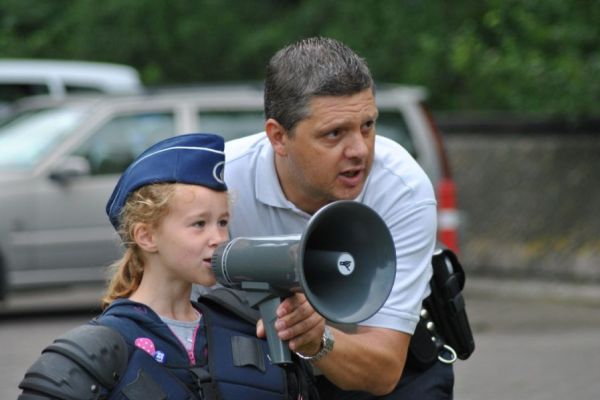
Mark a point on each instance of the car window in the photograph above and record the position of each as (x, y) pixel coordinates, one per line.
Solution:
(82, 89)
(14, 91)
(26, 138)
(236, 124)
(117, 143)
(391, 124)
(231, 124)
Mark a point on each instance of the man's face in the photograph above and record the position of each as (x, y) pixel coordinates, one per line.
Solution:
(329, 154)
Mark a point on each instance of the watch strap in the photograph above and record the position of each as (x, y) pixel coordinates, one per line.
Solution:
(327, 342)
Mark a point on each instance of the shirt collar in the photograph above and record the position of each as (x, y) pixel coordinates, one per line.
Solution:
(268, 189)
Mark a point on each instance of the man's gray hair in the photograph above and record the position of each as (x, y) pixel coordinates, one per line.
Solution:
(311, 67)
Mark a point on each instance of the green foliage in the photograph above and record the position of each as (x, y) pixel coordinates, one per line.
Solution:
(538, 56)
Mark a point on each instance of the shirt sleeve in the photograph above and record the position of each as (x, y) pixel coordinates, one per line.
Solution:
(414, 233)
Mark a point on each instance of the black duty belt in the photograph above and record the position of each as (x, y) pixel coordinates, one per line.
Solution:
(443, 332)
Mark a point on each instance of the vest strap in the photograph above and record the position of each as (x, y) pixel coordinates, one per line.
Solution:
(247, 351)
(205, 384)
(144, 388)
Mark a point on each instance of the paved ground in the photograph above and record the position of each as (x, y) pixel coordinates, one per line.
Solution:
(534, 341)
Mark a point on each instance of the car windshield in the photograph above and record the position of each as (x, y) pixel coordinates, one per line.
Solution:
(27, 137)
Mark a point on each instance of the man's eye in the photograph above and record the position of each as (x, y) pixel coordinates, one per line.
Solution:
(368, 127)
(333, 134)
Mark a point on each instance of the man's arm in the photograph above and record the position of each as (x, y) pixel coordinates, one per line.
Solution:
(371, 359)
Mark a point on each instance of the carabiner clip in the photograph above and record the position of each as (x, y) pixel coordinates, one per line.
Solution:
(453, 356)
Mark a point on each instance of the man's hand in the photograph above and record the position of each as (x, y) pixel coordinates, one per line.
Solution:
(298, 323)
(370, 360)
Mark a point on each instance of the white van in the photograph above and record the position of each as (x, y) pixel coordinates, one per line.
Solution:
(28, 77)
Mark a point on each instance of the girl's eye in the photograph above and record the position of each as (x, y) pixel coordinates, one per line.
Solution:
(200, 224)
(223, 223)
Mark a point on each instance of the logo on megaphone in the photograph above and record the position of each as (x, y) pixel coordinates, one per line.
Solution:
(344, 262)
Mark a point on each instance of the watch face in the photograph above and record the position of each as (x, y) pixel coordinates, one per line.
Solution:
(328, 339)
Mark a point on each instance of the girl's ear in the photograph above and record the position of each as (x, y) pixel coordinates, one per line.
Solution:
(143, 235)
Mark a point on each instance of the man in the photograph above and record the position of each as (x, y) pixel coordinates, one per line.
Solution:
(320, 146)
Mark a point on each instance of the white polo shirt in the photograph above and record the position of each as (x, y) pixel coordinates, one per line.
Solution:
(397, 189)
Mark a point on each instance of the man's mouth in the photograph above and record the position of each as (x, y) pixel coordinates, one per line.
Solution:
(350, 174)
(353, 173)
(352, 178)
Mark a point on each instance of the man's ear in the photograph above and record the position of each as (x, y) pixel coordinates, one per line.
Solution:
(143, 235)
(277, 136)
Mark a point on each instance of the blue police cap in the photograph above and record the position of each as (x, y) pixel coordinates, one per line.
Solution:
(195, 158)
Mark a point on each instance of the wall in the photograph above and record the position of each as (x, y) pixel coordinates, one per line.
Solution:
(530, 197)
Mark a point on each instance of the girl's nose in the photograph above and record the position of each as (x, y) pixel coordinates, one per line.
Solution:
(218, 236)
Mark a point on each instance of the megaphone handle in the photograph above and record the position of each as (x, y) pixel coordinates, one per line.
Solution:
(279, 352)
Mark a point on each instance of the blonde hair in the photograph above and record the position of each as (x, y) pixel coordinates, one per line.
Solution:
(148, 205)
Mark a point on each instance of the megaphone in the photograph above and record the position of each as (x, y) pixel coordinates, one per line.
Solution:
(344, 262)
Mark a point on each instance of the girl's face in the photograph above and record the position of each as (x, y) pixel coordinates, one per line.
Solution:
(189, 234)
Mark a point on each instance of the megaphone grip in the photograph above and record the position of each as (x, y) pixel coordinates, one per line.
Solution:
(279, 352)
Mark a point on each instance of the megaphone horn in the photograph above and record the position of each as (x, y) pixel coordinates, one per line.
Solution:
(344, 262)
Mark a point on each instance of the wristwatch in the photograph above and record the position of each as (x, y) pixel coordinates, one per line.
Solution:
(327, 342)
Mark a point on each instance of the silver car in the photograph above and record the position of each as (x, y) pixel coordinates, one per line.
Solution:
(60, 159)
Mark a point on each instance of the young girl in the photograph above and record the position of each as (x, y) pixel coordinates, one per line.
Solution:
(170, 208)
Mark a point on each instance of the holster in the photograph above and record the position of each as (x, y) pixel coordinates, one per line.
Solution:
(443, 332)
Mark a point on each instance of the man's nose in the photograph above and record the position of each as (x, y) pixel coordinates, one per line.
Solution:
(357, 146)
